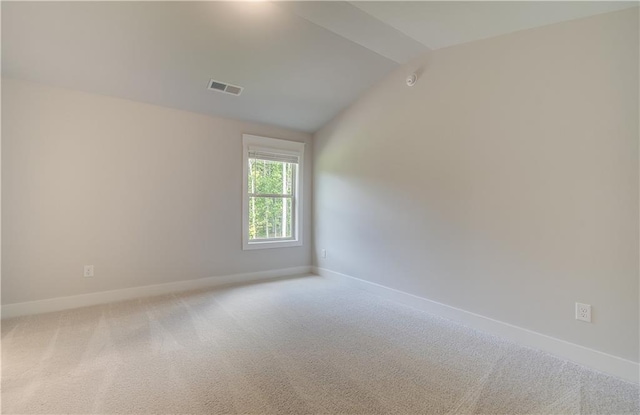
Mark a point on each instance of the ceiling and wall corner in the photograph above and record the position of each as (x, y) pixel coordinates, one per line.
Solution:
(348, 21)
(300, 63)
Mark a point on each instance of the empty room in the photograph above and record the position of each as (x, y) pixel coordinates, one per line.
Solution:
(310, 207)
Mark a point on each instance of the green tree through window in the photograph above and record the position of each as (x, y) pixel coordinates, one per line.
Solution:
(271, 187)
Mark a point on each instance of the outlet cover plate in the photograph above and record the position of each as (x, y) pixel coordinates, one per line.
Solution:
(88, 270)
(583, 312)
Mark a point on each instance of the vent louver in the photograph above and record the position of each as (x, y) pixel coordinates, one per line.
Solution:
(226, 88)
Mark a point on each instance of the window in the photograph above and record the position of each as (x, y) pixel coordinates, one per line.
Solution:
(272, 190)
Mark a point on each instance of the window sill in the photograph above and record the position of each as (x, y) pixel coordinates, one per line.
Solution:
(247, 246)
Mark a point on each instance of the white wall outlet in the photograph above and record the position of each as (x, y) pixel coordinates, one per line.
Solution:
(583, 312)
(324, 253)
(88, 270)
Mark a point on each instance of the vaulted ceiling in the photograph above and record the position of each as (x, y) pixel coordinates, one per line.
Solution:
(300, 62)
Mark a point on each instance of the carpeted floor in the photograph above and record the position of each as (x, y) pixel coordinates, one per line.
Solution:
(305, 345)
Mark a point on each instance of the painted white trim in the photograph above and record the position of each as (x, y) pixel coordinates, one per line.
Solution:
(103, 297)
(613, 365)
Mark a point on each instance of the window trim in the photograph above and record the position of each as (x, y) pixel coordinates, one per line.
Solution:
(284, 147)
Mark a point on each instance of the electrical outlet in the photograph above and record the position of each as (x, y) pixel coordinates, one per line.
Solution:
(324, 253)
(583, 312)
(88, 270)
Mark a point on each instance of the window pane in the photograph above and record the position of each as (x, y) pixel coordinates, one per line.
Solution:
(271, 177)
(270, 217)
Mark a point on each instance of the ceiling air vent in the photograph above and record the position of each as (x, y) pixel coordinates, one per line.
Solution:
(226, 88)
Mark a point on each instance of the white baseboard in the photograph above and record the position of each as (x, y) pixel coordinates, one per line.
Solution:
(102, 297)
(613, 365)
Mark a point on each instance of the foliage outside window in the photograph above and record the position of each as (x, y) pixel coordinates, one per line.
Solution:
(271, 199)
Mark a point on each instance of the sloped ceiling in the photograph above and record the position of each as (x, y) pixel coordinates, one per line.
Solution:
(295, 73)
(439, 24)
(300, 62)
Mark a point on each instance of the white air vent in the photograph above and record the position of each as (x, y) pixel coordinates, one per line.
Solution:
(226, 88)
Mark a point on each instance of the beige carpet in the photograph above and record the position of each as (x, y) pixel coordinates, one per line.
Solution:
(305, 345)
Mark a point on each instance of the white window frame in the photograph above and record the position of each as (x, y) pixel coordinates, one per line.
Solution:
(277, 146)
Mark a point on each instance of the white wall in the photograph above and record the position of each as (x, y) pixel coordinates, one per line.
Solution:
(504, 183)
(146, 194)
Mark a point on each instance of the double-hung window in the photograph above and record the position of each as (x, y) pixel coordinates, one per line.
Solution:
(272, 189)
